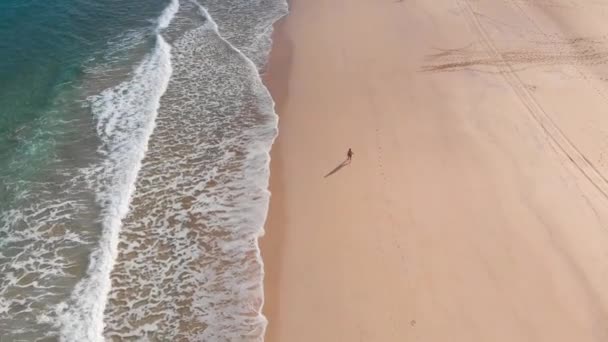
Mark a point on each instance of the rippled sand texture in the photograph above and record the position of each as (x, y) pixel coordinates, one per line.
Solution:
(476, 205)
(188, 267)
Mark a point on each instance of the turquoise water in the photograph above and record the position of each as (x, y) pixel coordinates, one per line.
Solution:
(44, 50)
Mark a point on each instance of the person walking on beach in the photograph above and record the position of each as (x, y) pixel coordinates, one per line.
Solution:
(349, 155)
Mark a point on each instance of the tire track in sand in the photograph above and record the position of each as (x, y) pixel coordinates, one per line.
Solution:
(554, 42)
(549, 127)
(561, 143)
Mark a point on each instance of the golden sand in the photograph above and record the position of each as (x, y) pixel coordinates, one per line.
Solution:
(475, 208)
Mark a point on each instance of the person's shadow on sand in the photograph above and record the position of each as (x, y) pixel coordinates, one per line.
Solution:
(343, 164)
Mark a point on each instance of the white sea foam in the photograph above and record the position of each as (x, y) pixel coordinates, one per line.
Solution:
(125, 117)
(189, 266)
(35, 257)
(168, 14)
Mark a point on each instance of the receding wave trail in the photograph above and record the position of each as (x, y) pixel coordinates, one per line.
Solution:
(188, 265)
(125, 117)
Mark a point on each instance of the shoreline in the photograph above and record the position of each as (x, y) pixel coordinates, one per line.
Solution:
(276, 79)
(459, 218)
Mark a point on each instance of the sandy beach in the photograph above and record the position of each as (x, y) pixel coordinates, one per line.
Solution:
(476, 204)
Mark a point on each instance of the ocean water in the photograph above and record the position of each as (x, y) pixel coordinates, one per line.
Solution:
(134, 140)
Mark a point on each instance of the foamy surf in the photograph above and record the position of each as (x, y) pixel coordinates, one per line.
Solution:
(189, 265)
(168, 14)
(125, 117)
(152, 232)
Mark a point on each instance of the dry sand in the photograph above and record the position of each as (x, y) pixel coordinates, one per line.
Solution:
(475, 208)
